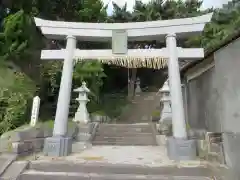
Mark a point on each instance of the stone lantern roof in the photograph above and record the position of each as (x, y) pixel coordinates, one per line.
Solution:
(83, 88)
(165, 87)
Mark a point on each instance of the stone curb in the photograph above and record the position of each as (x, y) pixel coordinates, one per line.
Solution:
(15, 170)
(8, 162)
(96, 125)
(106, 176)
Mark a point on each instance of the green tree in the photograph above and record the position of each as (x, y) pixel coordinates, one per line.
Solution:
(18, 37)
(145, 12)
(120, 14)
(163, 10)
(225, 22)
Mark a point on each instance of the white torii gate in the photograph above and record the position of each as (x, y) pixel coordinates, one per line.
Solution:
(104, 32)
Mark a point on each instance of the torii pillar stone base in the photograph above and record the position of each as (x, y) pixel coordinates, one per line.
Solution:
(181, 149)
(58, 146)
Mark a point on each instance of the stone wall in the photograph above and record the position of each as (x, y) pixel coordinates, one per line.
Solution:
(27, 140)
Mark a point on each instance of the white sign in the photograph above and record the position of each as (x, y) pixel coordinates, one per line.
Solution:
(35, 111)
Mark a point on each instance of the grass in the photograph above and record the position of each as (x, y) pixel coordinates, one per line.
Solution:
(49, 123)
(156, 113)
(113, 105)
(100, 113)
(25, 126)
(7, 76)
(93, 158)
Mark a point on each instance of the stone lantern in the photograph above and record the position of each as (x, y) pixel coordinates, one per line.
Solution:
(166, 114)
(82, 115)
(138, 87)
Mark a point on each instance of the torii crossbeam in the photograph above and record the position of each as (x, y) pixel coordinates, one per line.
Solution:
(134, 58)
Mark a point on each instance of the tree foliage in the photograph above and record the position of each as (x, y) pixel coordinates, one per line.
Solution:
(225, 22)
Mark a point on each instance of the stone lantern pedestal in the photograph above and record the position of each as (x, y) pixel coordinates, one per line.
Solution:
(166, 114)
(82, 117)
(165, 122)
(138, 87)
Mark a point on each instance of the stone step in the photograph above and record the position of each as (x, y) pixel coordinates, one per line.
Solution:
(124, 126)
(133, 125)
(124, 134)
(119, 134)
(120, 126)
(124, 143)
(39, 175)
(125, 138)
(107, 168)
(116, 130)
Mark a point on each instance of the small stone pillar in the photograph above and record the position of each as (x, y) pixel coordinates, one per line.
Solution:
(35, 111)
(138, 87)
(166, 114)
(82, 115)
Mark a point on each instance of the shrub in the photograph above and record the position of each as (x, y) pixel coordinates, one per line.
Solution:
(16, 95)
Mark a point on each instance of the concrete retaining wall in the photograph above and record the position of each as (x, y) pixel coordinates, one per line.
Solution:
(213, 100)
(202, 97)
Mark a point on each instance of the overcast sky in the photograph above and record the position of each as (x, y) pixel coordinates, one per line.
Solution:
(206, 3)
(214, 3)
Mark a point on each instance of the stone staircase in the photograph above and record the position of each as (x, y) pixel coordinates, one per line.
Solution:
(64, 170)
(141, 109)
(125, 135)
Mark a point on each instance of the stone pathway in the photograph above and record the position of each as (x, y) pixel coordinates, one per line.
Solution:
(152, 156)
(138, 155)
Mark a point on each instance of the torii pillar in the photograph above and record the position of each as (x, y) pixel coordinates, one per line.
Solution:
(59, 144)
(179, 147)
(179, 125)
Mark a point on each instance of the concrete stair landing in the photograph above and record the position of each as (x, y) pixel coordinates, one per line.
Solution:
(89, 171)
(125, 135)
